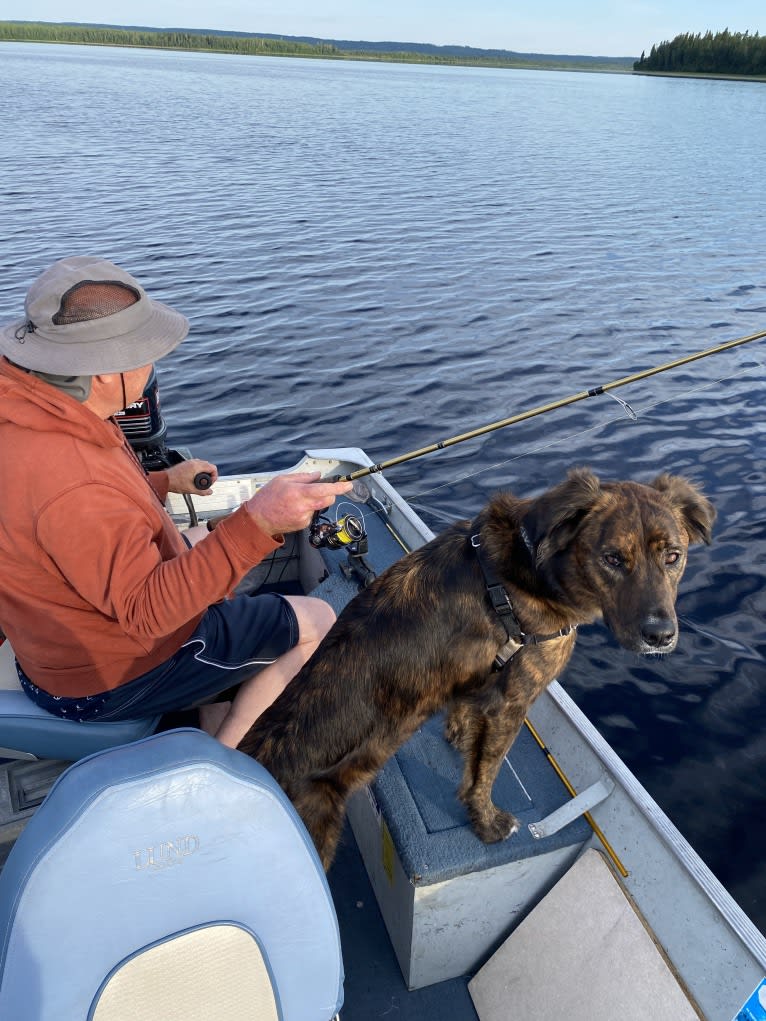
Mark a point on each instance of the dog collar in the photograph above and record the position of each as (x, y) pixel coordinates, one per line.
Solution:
(501, 604)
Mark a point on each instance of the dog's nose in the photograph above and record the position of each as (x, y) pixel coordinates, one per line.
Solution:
(658, 632)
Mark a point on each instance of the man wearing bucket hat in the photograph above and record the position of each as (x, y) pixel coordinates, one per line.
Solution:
(110, 613)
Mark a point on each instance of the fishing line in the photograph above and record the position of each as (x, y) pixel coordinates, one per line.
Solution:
(572, 436)
(625, 406)
(352, 509)
(563, 402)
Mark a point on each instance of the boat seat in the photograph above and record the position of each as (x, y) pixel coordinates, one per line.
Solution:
(169, 878)
(27, 730)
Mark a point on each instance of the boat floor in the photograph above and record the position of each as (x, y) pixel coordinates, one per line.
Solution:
(374, 986)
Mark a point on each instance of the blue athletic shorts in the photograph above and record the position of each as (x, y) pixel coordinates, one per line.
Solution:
(234, 640)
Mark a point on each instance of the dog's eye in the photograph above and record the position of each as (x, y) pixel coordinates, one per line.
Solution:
(672, 556)
(613, 559)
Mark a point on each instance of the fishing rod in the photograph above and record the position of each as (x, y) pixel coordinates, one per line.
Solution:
(553, 406)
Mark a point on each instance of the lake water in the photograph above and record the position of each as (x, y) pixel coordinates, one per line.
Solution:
(384, 256)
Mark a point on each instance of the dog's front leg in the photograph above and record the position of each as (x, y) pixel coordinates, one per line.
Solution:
(486, 735)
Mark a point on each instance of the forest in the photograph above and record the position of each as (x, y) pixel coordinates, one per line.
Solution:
(727, 53)
(291, 46)
(26, 31)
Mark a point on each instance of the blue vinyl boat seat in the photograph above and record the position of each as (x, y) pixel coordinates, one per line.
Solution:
(167, 878)
(26, 729)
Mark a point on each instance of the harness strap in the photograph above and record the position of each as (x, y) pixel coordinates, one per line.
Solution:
(501, 604)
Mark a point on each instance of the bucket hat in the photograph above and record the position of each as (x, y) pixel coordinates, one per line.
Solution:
(86, 316)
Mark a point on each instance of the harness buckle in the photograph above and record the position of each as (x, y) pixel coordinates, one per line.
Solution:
(499, 599)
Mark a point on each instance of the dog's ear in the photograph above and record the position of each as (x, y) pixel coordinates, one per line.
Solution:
(554, 518)
(697, 512)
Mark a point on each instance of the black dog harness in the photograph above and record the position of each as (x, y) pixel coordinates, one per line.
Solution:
(501, 604)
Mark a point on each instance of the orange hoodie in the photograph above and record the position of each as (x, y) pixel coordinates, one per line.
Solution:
(97, 585)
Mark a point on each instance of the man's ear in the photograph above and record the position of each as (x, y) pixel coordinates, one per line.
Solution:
(554, 519)
(696, 511)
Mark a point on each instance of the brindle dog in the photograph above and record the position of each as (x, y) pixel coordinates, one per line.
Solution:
(426, 635)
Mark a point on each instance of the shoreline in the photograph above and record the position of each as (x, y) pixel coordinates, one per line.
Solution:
(712, 75)
(587, 64)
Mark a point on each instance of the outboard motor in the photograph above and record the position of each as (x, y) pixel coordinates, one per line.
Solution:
(145, 428)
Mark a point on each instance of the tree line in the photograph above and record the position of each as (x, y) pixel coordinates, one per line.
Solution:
(12, 31)
(269, 45)
(721, 53)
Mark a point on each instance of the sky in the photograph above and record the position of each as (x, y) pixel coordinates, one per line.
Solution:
(614, 28)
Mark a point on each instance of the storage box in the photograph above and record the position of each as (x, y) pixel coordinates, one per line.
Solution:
(448, 900)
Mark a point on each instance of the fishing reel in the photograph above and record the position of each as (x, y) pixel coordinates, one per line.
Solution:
(346, 531)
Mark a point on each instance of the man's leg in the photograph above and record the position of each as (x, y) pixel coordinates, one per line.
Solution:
(315, 618)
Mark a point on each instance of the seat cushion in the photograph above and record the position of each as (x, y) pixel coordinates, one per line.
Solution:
(25, 727)
(215, 971)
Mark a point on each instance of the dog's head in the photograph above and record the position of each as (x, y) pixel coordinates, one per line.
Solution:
(620, 547)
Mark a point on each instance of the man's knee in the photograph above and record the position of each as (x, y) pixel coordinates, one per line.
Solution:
(315, 617)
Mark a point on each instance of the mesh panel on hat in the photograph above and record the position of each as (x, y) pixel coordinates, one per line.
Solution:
(94, 299)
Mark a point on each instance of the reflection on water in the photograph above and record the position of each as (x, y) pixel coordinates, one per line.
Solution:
(385, 256)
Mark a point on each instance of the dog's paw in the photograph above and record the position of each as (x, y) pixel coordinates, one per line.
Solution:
(496, 825)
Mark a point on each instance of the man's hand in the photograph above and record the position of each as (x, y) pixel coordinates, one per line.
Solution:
(288, 502)
(181, 476)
